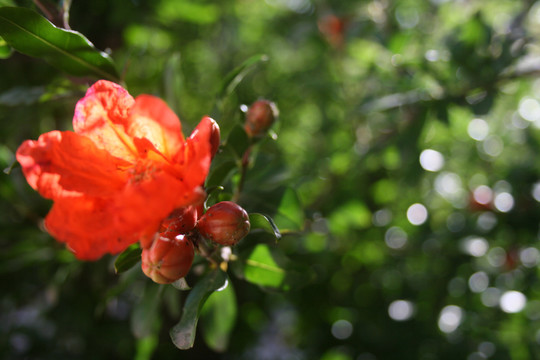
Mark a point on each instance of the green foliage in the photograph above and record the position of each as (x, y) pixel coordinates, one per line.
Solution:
(28, 32)
(402, 180)
(183, 333)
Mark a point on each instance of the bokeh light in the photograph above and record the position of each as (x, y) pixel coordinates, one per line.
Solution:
(431, 160)
(475, 246)
(342, 329)
(401, 310)
(478, 129)
(417, 214)
(512, 301)
(450, 318)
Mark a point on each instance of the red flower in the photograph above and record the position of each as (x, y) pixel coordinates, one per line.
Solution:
(125, 168)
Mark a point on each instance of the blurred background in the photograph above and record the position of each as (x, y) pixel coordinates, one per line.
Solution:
(408, 134)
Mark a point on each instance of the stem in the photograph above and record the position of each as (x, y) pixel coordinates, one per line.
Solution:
(243, 171)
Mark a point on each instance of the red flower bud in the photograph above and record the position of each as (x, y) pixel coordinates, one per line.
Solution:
(225, 223)
(169, 258)
(215, 137)
(181, 220)
(259, 117)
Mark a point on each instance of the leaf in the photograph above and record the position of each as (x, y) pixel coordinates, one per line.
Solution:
(220, 173)
(238, 140)
(183, 333)
(218, 317)
(127, 259)
(146, 347)
(289, 215)
(172, 83)
(145, 318)
(233, 78)
(261, 221)
(262, 269)
(31, 34)
(5, 49)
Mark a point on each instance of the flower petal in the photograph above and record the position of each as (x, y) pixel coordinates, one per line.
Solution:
(102, 115)
(194, 159)
(152, 119)
(60, 163)
(94, 226)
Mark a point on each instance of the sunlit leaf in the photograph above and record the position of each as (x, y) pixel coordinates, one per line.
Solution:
(262, 269)
(235, 76)
(31, 34)
(187, 10)
(146, 347)
(5, 49)
(218, 317)
(261, 221)
(127, 259)
(183, 333)
(289, 215)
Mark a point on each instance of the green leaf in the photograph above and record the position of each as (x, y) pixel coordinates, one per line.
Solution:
(31, 34)
(172, 83)
(233, 78)
(5, 49)
(146, 347)
(218, 317)
(220, 173)
(264, 222)
(127, 259)
(145, 318)
(183, 333)
(238, 140)
(289, 215)
(261, 268)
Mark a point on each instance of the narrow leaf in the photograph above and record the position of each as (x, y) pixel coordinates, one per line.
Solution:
(218, 317)
(31, 34)
(183, 333)
(129, 258)
(264, 222)
(235, 76)
(262, 269)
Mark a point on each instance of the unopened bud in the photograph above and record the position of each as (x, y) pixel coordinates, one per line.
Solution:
(259, 117)
(169, 258)
(181, 220)
(225, 223)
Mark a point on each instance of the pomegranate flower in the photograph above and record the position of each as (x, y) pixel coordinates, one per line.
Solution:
(123, 170)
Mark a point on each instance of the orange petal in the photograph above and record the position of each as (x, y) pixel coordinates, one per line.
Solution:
(63, 163)
(94, 226)
(102, 115)
(152, 119)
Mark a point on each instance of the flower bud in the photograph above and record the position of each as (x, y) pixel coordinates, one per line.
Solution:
(259, 117)
(169, 258)
(225, 223)
(181, 220)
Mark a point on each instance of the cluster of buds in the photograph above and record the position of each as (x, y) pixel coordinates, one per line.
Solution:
(169, 255)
